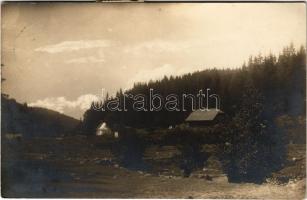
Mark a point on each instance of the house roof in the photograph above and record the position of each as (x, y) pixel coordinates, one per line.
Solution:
(203, 115)
(102, 126)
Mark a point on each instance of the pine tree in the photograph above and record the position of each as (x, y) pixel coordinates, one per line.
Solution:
(251, 150)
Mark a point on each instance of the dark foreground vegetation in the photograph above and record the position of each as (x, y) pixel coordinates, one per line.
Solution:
(52, 167)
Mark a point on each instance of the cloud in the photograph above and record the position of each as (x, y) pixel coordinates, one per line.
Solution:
(98, 58)
(159, 72)
(73, 46)
(88, 59)
(158, 46)
(123, 67)
(59, 104)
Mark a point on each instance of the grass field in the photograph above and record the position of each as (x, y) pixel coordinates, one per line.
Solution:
(74, 167)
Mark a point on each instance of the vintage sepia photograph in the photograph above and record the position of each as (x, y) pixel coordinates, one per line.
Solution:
(181, 100)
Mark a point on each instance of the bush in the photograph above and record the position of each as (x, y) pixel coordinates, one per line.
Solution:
(129, 149)
(253, 148)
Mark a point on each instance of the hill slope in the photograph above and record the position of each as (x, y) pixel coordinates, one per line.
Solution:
(279, 79)
(33, 121)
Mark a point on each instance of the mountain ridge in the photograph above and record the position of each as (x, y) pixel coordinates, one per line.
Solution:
(18, 118)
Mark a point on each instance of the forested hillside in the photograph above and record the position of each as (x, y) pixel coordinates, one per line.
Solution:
(279, 79)
(18, 118)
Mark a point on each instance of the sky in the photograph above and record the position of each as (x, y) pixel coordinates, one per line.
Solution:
(60, 55)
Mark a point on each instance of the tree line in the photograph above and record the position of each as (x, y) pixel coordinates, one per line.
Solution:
(280, 79)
